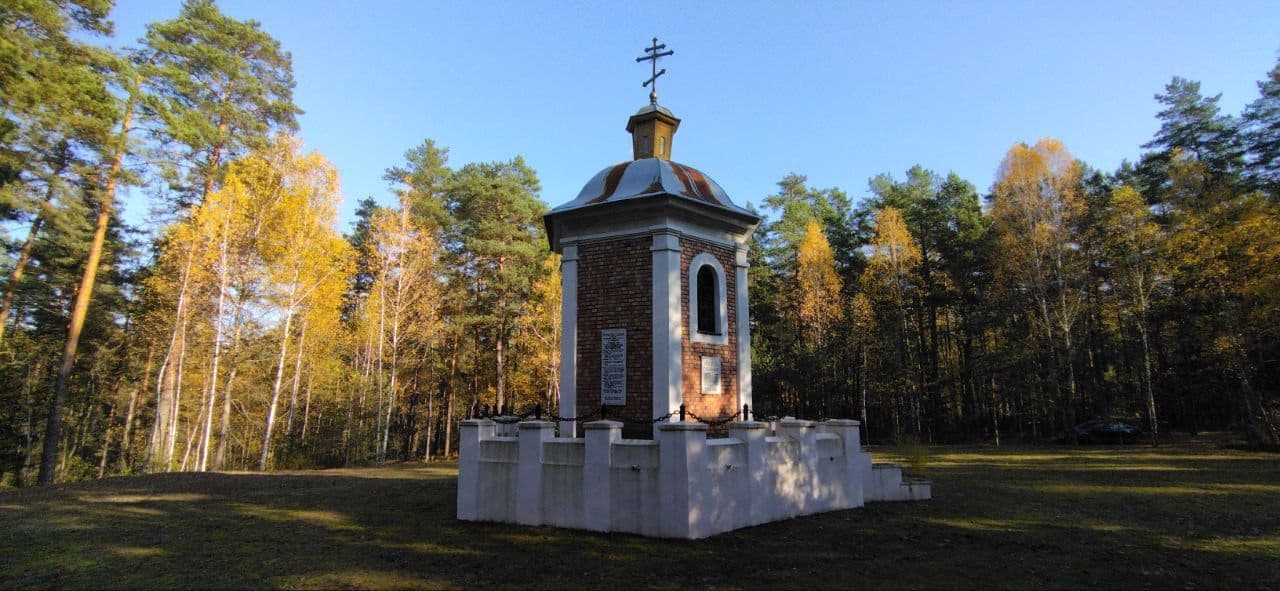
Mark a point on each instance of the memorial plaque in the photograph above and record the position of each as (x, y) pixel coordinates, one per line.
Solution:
(613, 366)
(711, 375)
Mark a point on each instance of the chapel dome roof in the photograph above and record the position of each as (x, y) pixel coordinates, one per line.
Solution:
(654, 108)
(651, 177)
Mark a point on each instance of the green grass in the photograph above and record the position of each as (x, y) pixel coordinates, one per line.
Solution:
(1186, 515)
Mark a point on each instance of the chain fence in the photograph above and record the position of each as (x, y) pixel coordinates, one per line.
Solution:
(505, 416)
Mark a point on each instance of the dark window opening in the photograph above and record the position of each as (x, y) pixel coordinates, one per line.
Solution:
(707, 298)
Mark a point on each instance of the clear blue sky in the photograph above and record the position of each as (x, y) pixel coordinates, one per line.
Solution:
(838, 91)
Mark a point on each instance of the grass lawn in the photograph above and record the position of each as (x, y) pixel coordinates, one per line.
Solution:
(1186, 515)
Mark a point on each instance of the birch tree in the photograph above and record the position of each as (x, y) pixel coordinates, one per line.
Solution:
(405, 254)
(302, 251)
(1037, 207)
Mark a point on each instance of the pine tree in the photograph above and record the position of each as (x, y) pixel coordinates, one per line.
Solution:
(498, 238)
(56, 113)
(1261, 123)
(1193, 124)
(110, 178)
(219, 86)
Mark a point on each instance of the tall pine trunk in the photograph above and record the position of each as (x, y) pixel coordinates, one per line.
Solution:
(84, 293)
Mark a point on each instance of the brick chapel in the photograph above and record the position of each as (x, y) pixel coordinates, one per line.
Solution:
(654, 277)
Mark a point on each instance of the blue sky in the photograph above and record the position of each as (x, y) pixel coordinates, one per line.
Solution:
(838, 91)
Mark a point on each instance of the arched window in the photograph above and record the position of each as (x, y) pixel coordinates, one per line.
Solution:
(662, 145)
(708, 309)
(707, 299)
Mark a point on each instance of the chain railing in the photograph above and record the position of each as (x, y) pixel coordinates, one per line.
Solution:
(504, 416)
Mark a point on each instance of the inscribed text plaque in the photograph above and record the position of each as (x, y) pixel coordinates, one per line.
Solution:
(711, 375)
(613, 366)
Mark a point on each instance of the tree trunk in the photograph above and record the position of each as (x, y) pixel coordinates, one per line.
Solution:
(192, 433)
(306, 409)
(453, 390)
(176, 406)
(133, 405)
(431, 399)
(223, 277)
(995, 411)
(106, 442)
(382, 322)
(224, 429)
(395, 373)
(297, 377)
(29, 425)
(84, 292)
(275, 391)
(862, 387)
(1152, 423)
(500, 354)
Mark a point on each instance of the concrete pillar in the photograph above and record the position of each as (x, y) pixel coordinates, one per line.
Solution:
(850, 440)
(743, 322)
(682, 480)
(667, 341)
(470, 433)
(529, 470)
(804, 433)
(596, 477)
(569, 337)
(752, 434)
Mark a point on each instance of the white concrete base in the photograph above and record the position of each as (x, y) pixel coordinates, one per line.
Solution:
(887, 484)
(680, 485)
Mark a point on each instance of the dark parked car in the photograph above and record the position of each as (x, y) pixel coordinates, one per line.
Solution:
(1101, 431)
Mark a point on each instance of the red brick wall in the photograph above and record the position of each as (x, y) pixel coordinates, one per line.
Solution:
(709, 405)
(615, 290)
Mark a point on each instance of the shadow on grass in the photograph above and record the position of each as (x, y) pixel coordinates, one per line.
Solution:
(1005, 518)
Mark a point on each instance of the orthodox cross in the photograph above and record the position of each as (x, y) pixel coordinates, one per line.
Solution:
(653, 53)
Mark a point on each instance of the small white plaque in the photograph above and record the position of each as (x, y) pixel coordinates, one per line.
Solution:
(710, 375)
(613, 366)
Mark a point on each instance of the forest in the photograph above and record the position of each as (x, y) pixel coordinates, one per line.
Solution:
(247, 331)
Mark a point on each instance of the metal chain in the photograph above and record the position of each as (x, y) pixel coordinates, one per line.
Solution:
(597, 414)
(715, 422)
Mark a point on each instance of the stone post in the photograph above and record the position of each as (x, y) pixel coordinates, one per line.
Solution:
(597, 492)
(752, 434)
(743, 323)
(569, 337)
(804, 433)
(529, 470)
(470, 433)
(668, 348)
(848, 432)
(682, 480)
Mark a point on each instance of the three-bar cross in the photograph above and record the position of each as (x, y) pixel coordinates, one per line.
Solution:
(653, 53)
